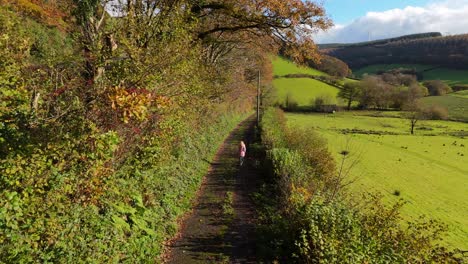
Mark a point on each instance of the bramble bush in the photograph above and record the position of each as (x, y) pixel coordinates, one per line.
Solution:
(301, 223)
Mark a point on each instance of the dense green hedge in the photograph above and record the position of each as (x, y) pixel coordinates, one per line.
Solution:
(304, 218)
(58, 212)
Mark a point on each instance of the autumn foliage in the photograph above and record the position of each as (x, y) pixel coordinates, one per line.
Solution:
(108, 114)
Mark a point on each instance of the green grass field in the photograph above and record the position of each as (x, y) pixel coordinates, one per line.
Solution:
(449, 76)
(429, 169)
(456, 103)
(303, 90)
(282, 66)
(462, 94)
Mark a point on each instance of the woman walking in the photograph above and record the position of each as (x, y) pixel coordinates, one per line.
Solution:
(242, 151)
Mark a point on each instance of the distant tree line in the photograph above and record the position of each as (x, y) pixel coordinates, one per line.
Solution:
(448, 51)
(375, 92)
(399, 92)
(390, 91)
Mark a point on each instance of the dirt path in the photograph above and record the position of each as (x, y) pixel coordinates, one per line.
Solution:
(220, 228)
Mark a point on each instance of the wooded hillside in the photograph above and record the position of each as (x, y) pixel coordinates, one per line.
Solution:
(447, 51)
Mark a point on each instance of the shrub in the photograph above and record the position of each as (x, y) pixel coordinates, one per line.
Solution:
(318, 102)
(460, 87)
(290, 103)
(437, 87)
(325, 103)
(314, 150)
(289, 170)
(273, 124)
(436, 112)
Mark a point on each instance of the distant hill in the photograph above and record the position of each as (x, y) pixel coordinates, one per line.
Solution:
(427, 48)
(380, 41)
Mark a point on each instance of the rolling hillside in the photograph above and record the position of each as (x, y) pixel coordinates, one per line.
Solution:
(304, 90)
(301, 90)
(282, 66)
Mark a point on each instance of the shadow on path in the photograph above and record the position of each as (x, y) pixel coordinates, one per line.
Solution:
(220, 229)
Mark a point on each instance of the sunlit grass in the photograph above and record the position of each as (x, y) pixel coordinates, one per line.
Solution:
(429, 170)
(304, 90)
(282, 66)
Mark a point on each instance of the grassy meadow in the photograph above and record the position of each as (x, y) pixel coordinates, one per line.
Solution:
(301, 90)
(429, 72)
(282, 66)
(429, 170)
(304, 90)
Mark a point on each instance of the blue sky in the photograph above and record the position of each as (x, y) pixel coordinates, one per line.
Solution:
(363, 20)
(344, 11)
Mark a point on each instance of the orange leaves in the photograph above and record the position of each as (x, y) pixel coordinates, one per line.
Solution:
(290, 23)
(163, 102)
(132, 103)
(303, 50)
(48, 12)
(135, 103)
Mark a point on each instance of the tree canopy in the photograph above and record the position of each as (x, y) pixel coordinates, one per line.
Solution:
(288, 23)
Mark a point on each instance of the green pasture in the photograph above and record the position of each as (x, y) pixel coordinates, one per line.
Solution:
(428, 169)
(304, 90)
(301, 90)
(462, 94)
(449, 76)
(456, 103)
(282, 66)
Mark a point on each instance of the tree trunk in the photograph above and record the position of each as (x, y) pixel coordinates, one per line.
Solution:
(413, 124)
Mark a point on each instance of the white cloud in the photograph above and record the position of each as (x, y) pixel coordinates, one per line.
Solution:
(446, 17)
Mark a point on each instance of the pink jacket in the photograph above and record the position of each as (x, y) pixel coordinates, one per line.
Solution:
(242, 150)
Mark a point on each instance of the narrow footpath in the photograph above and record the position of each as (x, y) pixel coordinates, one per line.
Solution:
(220, 229)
